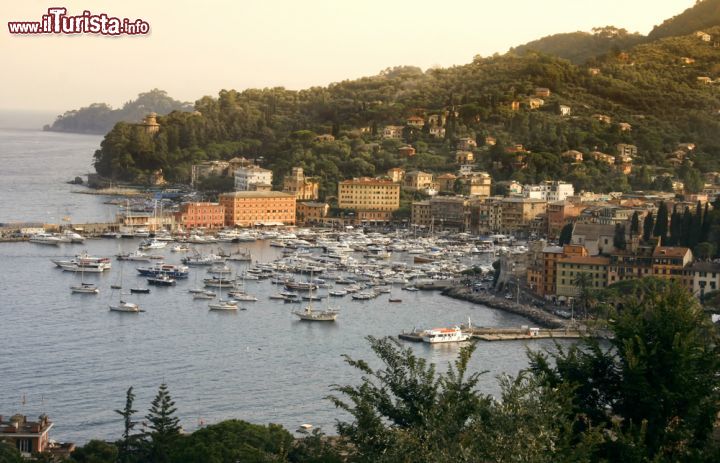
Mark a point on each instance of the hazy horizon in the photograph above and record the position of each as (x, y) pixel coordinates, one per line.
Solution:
(198, 49)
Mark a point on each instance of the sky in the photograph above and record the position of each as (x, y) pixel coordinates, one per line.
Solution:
(198, 47)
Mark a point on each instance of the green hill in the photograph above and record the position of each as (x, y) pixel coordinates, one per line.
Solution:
(705, 14)
(653, 87)
(579, 47)
(99, 118)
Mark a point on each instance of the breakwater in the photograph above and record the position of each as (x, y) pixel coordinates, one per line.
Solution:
(542, 318)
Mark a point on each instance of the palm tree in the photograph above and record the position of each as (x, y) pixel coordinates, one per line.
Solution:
(584, 283)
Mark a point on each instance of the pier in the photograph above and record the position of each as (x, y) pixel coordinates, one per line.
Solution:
(521, 333)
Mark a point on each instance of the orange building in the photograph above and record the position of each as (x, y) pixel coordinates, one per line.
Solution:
(551, 256)
(201, 215)
(26, 436)
(559, 213)
(249, 208)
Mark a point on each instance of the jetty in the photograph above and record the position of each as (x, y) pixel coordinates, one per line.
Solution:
(512, 334)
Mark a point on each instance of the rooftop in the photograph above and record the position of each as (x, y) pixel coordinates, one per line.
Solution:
(670, 251)
(257, 194)
(585, 260)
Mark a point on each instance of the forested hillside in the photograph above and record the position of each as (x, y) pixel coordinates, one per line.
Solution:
(99, 118)
(653, 87)
(705, 14)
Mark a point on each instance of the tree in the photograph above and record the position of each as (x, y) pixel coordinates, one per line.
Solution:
(566, 234)
(648, 224)
(634, 225)
(163, 424)
(704, 250)
(656, 389)
(9, 454)
(619, 241)
(583, 281)
(127, 443)
(405, 411)
(661, 224)
(95, 451)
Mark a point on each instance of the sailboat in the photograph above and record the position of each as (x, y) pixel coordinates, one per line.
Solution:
(310, 315)
(84, 288)
(124, 306)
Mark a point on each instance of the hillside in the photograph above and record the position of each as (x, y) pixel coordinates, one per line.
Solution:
(99, 118)
(579, 47)
(705, 14)
(654, 88)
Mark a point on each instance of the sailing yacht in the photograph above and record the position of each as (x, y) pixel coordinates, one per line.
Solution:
(310, 315)
(84, 288)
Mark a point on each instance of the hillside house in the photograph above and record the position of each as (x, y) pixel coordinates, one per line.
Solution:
(705, 37)
(602, 118)
(415, 121)
(466, 144)
(542, 92)
(406, 151)
(572, 155)
(535, 103)
(624, 127)
(704, 80)
(464, 157)
(392, 132)
(564, 110)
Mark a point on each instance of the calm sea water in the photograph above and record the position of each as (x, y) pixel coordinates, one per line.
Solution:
(68, 356)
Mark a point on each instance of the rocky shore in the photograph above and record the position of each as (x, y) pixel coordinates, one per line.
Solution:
(542, 318)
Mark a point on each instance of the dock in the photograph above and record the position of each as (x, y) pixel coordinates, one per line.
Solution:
(525, 333)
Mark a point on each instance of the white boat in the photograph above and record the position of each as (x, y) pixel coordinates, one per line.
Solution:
(45, 238)
(338, 293)
(440, 335)
(137, 256)
(180, 248)
(72, 237)
(127, 307)
(304, 429)
(242, 296)
(223, 305)
(310, 315)
(153, 244)
(204, 295)
(85, 288)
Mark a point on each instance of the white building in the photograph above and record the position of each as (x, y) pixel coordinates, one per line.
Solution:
(549, 191)
(252, 178)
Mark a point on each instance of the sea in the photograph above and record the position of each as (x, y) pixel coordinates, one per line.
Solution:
(68, 356)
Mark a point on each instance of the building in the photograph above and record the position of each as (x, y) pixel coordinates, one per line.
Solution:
(545, 267)
(705, 80)
(304, 188)
(624, 149)
(324, 138)
(450, 212)
(311, 212)
(372, 199)
(466, 144)
(542, 92)
(596, 238)
(418, 180)
(396, 174)
(252, 177)
(464, 157)
(669, 263)
(535, 103)
(704, 36)
(200, 215)
(705, 277)
(150, 124)
(436, 120)
(572, 155)
(602, 157)
(437, 131)
(486, 215)
(568, 269)
(624, 127)
(392, 132)
(519, 213)
(415, 121)
(560, 213)
(27, 436)
(564, 110)
(446, 182)
(602, 118)
(208, 169)
(407, 151)
(420, 214)
(549, 190)
(476, 184)
(250, 208)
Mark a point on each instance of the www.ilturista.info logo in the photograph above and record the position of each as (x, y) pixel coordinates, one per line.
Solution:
(56, 21)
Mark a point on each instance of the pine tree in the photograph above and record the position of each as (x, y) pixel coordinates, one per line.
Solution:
(126, 446)
(648, 226)
(634, 225)
(164, 425)
(661, 224)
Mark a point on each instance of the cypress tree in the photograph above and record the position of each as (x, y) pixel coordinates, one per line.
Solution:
(126, 446)
(675, 227)
(619, 241)
(566, 234)
(634, 224)
(706, 224)
(661, 224)
(696, 226)
(685, 239)
(648, 224)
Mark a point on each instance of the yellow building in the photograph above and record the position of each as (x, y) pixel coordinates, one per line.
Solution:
(568, 268)
(518, 213)
(249, 208)
(418, 180)
(421, 214)
(464, 157)
(396, 174)
(369, 195)
(304, 188)
(311, 212)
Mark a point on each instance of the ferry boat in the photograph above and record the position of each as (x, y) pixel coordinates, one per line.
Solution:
(174, 271)
(440, 335)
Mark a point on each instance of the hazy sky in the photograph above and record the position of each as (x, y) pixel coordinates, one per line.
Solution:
(198, 47)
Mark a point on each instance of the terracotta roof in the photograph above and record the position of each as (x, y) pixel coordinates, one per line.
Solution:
(585, 260)
(670, 251)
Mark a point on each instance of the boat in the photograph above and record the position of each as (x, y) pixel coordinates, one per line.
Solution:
(115, 287)
(242, 296)
(338, 293)
(180, 248)
(204, 295)
(223, 305)
(140, 290)
(127, 307)
(291, 298)
(85, 288)
(441, 335)
(305, 429)
(410, 288)
(161, 280)
(69, 236)
(152, 244)
(45, 238)
(392, 299)
(199, 259)
(364, 296)
(310, 315)
(277, 296)
(137, 256)
(174, 271)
